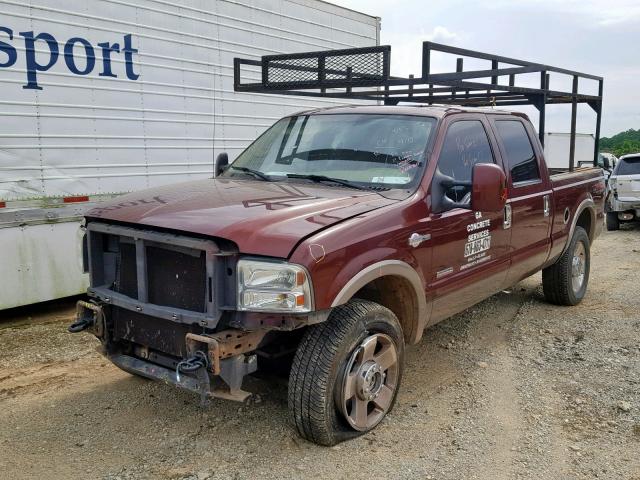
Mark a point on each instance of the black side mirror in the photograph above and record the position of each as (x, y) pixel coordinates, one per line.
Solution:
(221, 164)
(606, 163)
(441, 183)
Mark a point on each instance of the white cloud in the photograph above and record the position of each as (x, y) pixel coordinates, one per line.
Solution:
(594, 36)
(441, 34)
(406, 48)
(601, 12)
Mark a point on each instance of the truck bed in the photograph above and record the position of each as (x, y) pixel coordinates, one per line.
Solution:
(570, 191)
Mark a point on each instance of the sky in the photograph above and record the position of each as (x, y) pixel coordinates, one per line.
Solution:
(592, 36)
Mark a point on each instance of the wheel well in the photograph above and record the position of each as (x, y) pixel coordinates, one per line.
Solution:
(398, 295)
(585, 221)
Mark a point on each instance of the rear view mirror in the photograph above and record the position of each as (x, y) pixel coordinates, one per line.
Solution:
(221, 163)
(489, 188)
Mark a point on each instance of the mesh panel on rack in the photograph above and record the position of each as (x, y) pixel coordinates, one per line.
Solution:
(326, 69)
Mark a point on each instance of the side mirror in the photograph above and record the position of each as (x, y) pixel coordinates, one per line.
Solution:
(440, 185)
(489, 188)
(221, 164)
(606, 163)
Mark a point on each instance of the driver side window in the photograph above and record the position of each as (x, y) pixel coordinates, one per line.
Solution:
(465, 144)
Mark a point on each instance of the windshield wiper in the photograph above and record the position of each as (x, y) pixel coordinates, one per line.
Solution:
(255, 173)
(324, 178)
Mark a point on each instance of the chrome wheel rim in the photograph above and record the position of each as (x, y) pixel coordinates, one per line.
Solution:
(370, 382)
(578, 266)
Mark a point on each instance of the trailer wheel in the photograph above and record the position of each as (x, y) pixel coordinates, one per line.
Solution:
(613, 223)
(346, 373)
(565, 282)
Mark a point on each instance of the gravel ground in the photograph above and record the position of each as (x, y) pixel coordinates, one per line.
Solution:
(512, 388)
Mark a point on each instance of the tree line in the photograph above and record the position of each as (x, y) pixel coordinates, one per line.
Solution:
(621, 143)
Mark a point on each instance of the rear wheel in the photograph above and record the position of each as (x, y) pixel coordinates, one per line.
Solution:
(565, 282)
(346, 373)
(613, 223)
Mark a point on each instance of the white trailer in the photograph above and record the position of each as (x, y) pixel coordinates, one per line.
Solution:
(556, 149)
(103, 97)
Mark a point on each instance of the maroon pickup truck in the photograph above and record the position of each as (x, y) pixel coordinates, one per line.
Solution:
(338, 237)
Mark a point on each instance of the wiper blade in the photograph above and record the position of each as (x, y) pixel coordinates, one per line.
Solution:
(340, 181)
(255, 173)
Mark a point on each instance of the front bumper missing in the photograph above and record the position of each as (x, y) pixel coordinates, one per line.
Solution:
(236, 367)
(228, 355)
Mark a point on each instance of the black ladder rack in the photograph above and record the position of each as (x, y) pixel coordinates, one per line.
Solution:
(364, 74)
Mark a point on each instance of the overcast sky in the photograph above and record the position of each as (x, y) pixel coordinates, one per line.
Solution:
(592, 36)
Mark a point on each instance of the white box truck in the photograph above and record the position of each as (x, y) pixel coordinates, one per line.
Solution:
(103, 97)
(556, 150)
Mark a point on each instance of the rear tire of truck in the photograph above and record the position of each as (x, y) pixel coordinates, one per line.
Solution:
(613, 223)
(346, 373)
(565, 282)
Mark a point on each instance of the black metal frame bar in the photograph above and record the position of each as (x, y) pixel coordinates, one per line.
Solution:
(473, 88)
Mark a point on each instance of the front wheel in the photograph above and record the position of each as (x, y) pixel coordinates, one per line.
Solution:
(346, 373)
(565, 282)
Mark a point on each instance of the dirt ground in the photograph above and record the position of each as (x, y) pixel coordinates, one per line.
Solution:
(512, 388)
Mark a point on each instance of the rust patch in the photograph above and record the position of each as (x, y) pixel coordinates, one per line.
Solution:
(225, 344)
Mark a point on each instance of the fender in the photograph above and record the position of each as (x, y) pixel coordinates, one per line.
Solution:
(589, 204)
(389, 268)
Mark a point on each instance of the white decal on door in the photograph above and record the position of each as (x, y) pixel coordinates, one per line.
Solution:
(477, 245)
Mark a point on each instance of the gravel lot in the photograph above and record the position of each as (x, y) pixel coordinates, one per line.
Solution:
(512, 388)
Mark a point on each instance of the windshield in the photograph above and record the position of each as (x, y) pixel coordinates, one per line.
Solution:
(629, 166)
(364, 149)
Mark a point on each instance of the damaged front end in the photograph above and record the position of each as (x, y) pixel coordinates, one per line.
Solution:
(164, 307)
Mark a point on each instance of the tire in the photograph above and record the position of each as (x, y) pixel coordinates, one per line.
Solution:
(613, 223)
(561, 282)
(331, 361)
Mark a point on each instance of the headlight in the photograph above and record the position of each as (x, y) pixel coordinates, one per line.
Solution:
(273, 287)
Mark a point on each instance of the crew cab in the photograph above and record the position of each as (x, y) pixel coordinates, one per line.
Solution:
(623, 192)
(338, 237)
(369, 223)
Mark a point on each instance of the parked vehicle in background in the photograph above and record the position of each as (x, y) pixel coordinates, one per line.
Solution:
(557, 145)
(606, 161)
(340, 234)
(623, 194)
(105, 97)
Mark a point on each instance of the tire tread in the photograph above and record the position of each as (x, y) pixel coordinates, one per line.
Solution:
(556, 278)
(311, 369)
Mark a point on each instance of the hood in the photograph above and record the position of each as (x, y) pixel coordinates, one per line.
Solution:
(262, 218)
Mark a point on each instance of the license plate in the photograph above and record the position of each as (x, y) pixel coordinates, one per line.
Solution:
(477, 246)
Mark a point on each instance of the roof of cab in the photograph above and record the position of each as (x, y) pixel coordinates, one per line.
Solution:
(438, 111)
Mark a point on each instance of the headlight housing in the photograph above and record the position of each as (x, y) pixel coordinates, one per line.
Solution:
(265, 286)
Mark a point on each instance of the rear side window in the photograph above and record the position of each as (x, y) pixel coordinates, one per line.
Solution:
(521, 159)
(629, 166)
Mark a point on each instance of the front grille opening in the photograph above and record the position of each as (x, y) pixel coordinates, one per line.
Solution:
(126, 271)
(176, 279)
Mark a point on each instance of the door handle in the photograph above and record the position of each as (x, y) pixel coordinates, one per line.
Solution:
(506, 221)
(547, 207)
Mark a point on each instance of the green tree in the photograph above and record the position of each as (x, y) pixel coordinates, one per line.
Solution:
(622, 143)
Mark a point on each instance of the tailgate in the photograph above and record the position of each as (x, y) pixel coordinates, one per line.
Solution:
(628, 188)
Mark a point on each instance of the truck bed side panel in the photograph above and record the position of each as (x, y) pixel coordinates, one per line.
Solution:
(572, 192)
